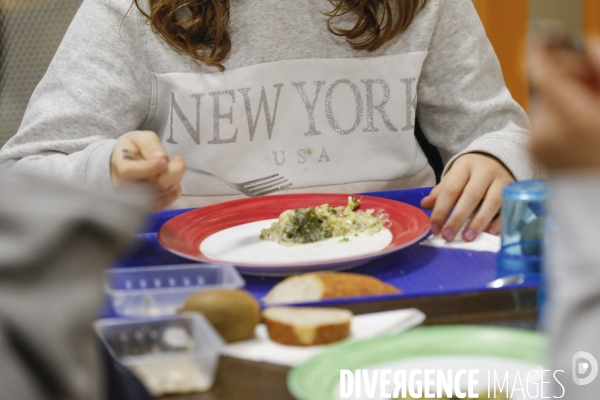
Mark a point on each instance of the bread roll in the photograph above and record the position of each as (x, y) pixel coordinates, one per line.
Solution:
(326, 285)
(307, 326)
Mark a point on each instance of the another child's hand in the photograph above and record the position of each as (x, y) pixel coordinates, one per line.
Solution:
(565, 115)
(474, 183)
(154, 168)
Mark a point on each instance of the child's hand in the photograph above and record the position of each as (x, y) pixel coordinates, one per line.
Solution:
(474, 182)
(565, 113)
(154, 168)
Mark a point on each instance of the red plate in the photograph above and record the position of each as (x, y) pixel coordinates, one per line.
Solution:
(183, 234)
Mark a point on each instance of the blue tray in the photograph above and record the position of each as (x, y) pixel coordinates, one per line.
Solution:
(416, 270)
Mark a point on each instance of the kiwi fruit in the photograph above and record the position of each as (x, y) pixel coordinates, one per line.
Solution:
(233, 313)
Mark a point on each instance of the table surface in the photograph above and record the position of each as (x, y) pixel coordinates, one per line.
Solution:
(469, 303)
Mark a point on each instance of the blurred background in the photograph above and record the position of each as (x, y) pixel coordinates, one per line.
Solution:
(569, 12)
(31, 30)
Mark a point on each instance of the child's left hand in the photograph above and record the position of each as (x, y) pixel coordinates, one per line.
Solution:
(474, 182)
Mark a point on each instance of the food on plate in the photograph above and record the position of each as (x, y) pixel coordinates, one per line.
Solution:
(172, 376)
(326, 285)
(308, 225)
(233, 313)
(307, 326)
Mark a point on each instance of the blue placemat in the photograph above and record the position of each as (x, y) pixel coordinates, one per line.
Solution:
(416, 270)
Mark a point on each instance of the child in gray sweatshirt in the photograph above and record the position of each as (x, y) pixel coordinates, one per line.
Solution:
(293, 99)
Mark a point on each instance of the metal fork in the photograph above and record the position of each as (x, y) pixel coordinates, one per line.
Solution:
(254, 188)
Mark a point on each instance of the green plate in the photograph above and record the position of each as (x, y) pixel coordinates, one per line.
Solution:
(318, 378)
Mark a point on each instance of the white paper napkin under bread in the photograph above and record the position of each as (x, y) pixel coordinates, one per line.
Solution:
(262, 349)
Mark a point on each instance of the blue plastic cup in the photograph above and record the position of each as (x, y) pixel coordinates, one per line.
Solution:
(524, 219)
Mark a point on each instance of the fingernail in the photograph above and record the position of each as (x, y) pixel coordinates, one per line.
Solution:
(158, 153)
(435, 228)
(162, 163)
(448, 234)
(469, 235)
(493, 231)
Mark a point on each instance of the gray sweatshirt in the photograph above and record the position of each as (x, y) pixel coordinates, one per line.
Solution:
(294, 99)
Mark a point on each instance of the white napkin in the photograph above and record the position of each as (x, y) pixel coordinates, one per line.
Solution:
(483, 242)
(262, 349)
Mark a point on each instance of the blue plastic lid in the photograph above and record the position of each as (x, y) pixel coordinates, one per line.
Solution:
(535, 190)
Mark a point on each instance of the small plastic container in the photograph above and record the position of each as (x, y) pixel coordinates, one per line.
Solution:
(156, 291)
(169, 355)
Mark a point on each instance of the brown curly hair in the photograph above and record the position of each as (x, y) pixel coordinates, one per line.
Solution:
(203, 32)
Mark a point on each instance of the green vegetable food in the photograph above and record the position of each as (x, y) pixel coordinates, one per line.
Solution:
(308, 225)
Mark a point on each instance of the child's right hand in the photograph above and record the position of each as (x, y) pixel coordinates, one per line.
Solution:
(154, 168)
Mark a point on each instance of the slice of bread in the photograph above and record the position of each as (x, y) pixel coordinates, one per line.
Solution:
(307, 326)
(326, 285)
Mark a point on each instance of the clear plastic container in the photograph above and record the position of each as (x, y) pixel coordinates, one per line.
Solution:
(169, 355)
(156, 291)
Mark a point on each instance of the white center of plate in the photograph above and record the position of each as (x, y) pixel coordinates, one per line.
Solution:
(242, 244)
